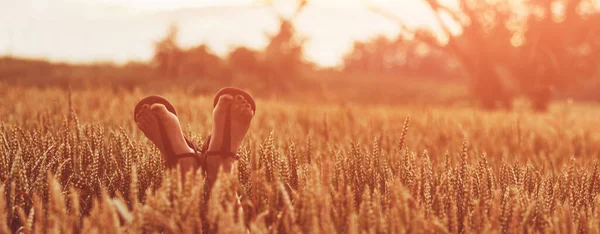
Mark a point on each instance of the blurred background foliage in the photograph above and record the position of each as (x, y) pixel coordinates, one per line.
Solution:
(490, 54)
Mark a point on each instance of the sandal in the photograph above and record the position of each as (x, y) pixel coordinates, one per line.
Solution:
(225, 150)
(171, 158)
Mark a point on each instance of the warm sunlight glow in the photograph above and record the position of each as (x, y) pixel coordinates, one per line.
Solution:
(123, 30)
(173, 4)
(299, 116)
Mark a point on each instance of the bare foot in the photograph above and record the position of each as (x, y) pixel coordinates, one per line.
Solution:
(241, 116)
(147, 121)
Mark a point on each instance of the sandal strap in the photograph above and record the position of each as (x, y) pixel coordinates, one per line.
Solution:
(226, 145)
(192, 145)
(204, 151)
(225, 150)
(171, 159)
(224, 153)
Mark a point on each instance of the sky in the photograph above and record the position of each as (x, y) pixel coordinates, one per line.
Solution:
(123, 30)
(152, 5)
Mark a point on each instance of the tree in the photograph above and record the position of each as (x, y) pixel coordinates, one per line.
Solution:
(535, 43)
(173, 62)
(562, 47)
(199, 61)
(401, 55)
(168, 55)
(245, 60)
(283, 56)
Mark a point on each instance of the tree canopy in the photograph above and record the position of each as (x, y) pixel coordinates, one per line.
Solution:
(540, 44)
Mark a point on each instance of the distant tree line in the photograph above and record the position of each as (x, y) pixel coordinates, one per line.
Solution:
(503, 49)
(509, 48)
(400, 57)
(279, 63)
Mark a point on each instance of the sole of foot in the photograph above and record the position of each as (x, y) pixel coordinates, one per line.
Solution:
(241, 114)
(148, 120)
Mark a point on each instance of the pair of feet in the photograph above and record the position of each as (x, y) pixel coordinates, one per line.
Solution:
(241, 114)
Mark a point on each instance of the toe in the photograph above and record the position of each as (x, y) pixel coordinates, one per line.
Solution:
(160, 110)
(239, 98)
(224, 102)
(140, 113)
(225, 98)
(145, 120)
(239, 106)
(246, 114)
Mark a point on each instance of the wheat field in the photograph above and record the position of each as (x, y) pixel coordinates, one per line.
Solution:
(74, 162)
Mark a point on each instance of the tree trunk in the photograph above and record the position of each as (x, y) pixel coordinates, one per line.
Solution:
(488, 88)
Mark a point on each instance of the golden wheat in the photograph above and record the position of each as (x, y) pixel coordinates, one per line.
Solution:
(73, 162)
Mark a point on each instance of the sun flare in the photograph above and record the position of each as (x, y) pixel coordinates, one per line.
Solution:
(173, 4)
